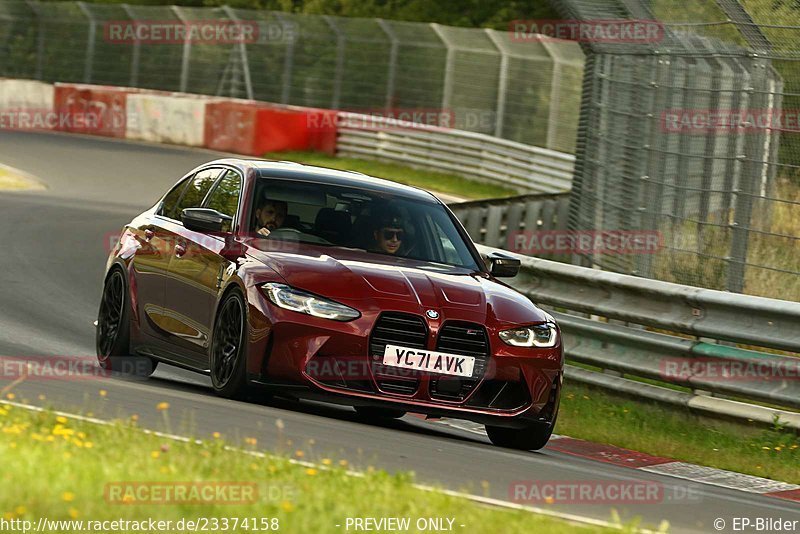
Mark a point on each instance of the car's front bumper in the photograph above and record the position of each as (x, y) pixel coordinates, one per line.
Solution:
(334, 361)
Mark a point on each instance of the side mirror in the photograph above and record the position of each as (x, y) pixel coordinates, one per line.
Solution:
(503, 265)
(204, 220)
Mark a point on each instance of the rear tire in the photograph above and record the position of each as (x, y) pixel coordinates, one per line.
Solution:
(531, 438)
(112, 338)
(227, 354)
(371, 412)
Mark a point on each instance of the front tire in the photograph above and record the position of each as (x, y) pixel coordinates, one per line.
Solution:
(227, 354)
(531, 438)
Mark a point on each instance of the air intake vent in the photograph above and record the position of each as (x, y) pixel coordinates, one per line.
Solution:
(396, 329)
(461, 338)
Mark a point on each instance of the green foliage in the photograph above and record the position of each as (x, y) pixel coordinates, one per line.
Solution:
(468, 13)
(438, 182)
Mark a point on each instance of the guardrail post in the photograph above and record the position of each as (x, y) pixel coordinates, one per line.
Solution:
(187, 51)
(136, 49)
(390, 82)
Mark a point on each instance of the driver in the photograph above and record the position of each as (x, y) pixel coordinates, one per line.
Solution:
(389, 233)
(270, 216)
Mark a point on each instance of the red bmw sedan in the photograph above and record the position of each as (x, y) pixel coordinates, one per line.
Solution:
(316, 283)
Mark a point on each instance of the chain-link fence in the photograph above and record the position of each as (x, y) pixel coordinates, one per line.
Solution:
(694, 134)
(474, 79)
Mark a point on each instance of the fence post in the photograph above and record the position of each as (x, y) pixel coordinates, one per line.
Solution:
(187, 50)
(448, 70)
(136, 49)
(87, 69)
(555, 96)
(34, 5)
(390, 82)
(340, 44)
(248, 84)
(502, 84)
(288, 63)
(749, 180)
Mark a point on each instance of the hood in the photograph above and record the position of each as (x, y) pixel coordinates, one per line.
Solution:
(348, 275)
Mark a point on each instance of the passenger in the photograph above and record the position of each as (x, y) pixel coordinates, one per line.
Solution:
(270, 216)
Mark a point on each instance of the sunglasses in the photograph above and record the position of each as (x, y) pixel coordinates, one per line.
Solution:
(390, 234)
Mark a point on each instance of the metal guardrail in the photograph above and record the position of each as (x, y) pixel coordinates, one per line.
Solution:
(692, 361)
(493, 222)
(482, 157)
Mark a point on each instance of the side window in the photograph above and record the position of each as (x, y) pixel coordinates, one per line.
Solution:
(225, 197)
(196, 191)
(450, 253)
(171, 200)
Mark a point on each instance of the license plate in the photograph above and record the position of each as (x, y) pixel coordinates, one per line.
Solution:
(428, 360)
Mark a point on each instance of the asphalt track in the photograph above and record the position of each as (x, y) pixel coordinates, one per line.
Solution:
(52, 254)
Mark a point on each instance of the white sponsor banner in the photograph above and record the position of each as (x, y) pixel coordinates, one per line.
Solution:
(20, 95)
(166, 119)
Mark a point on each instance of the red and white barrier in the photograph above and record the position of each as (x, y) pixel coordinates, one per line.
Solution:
(254, 128)
(25, 94)
(174, 119)
(239, 126)
(91, 109)
(26, 104)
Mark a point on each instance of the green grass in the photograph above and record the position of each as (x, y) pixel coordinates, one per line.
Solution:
(600, 416)
(433, 181)
(66, 469)
(704, 264)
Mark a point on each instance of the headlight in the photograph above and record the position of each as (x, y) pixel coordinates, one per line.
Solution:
(289, 298)
(541, 335)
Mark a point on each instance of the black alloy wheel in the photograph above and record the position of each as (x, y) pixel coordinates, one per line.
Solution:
(227, 348)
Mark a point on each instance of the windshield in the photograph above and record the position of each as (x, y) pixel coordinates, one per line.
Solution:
(377, 222)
